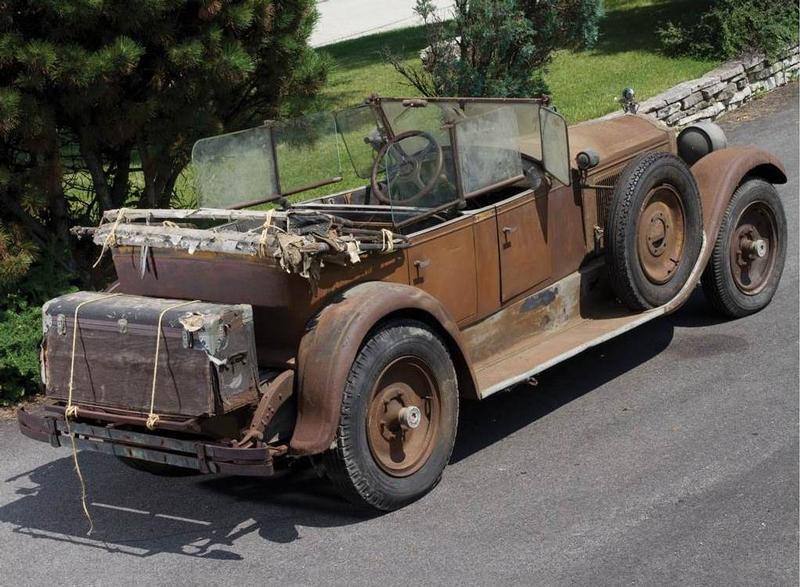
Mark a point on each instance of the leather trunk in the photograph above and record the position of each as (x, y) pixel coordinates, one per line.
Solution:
(206, 362)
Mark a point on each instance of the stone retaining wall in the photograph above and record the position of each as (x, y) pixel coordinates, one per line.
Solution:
(723, 89)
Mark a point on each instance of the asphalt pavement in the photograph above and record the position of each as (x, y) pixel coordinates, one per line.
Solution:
(666, 456)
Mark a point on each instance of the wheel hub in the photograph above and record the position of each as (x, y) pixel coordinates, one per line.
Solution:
(751, 249)
(661, 234)
(409, 417)
(657, 234)
(403, 417)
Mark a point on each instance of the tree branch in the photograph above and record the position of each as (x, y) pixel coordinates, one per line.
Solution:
(99, 178)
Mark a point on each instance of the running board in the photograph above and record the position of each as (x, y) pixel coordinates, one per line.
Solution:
(543, 352)
(541, 330)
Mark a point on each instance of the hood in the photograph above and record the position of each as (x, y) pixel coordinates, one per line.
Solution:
(618, 138)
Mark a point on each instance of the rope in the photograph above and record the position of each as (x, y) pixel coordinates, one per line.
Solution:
(262, 242)
(387, 240)
(152, 417)
(72, 411)
(111, 237)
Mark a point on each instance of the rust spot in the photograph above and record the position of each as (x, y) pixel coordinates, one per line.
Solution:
(540, 299)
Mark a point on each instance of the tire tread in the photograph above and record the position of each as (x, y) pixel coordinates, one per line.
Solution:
(618, 225)
(340, 466)
(717, 287)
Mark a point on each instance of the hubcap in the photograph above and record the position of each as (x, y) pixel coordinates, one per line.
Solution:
(403, 417)
(752, 248)
(661, 233)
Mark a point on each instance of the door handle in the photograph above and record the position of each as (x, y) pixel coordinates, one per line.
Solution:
(422, 263)
(507, 231)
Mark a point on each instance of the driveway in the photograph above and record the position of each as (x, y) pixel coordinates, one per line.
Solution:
(667, 456)
(340, 20)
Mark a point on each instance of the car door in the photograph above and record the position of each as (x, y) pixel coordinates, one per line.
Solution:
(442, 263)
(523, 224)
(523, 240)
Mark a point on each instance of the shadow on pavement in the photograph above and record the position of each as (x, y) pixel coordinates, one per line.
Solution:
(481, 424)
(696, 313)
(143, 515)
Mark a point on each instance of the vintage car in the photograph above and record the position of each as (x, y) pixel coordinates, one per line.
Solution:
(480, 242)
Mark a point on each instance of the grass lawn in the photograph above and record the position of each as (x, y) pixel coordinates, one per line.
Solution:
(584, 84)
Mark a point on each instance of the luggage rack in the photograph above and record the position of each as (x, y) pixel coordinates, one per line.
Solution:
(298, 239)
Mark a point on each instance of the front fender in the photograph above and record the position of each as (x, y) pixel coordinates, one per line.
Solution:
(332, 340)
(718, 174)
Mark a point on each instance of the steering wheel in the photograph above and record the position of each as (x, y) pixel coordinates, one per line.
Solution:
(408, 169)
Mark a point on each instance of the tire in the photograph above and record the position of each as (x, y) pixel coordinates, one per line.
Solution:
(737, 280)
(158, 469)
(399, 365)
(654, 230)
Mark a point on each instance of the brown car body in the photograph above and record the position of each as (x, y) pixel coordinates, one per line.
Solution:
(513, 285)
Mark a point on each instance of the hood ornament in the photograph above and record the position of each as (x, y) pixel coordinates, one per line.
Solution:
(628, 101)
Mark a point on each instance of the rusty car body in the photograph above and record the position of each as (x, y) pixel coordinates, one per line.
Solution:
(484, 227)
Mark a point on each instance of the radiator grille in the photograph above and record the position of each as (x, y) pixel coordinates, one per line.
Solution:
(604, 196)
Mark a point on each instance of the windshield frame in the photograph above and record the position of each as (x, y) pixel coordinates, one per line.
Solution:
(387, 131)
(377, 103)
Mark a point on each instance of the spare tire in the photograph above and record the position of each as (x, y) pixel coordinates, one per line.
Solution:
(698, 140)
(654, 230)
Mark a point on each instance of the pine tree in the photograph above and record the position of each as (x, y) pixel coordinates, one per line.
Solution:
(100, 89)
(100, 103)
(497, 48)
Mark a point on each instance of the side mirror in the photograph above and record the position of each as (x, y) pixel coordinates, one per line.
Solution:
(586, 160)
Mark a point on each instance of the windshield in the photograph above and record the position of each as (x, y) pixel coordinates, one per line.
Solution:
(470, 146)
(489, 150)
(418, 154)
(263, 163)
(235, 167)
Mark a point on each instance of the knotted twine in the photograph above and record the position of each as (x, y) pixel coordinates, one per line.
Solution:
(111, 237)
(262, 242)
(152, 417)
(387, 241)
(72, 411)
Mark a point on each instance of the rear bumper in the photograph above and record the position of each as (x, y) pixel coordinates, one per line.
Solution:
(205, 457)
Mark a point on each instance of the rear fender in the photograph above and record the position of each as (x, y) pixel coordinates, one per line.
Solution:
(333, 338)
(718, 174)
